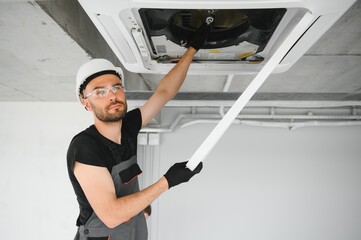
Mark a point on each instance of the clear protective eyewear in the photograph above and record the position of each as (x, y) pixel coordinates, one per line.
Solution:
(103, 91)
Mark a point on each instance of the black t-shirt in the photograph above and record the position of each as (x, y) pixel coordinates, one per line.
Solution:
(90, 147)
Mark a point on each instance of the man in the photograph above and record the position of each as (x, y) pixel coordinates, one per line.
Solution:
(101, 160)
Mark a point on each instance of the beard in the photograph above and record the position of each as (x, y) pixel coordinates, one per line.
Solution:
(104, 115)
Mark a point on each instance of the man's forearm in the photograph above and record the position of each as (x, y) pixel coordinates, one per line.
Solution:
(172, 82)
(127, 207)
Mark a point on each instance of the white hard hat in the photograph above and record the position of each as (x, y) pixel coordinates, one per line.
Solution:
(92, 69)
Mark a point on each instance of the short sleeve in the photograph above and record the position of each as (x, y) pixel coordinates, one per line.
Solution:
(85, 149)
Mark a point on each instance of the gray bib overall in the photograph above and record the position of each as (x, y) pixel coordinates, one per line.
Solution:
(124, 175)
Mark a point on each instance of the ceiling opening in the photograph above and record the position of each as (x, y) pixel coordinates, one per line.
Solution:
(242, 33)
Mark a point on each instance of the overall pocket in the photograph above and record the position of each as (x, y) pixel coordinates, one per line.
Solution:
(129, 174)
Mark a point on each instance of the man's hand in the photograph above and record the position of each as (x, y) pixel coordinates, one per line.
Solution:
(200, 36)
(179, 173)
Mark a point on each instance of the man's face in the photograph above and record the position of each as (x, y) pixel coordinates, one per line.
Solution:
(110, 108)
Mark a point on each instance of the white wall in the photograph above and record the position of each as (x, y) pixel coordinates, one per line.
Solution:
(37, 200)
(262, 183)
(258, 183)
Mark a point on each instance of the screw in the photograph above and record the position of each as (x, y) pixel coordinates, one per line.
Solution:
(209, 20)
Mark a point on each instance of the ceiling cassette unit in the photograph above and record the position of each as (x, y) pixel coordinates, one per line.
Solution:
(150, 36)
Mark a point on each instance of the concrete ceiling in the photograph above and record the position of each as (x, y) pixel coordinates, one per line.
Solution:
(40, 56)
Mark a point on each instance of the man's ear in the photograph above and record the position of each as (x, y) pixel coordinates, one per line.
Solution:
(86, 104)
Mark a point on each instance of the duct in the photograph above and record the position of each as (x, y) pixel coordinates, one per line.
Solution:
(287, 125)
(328, 120)
(324, 124)
(172, 127)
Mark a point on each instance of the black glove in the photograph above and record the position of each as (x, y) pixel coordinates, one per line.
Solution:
(200, 36)
(179, 173)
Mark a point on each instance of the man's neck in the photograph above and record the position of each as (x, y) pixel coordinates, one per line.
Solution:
(110, 130)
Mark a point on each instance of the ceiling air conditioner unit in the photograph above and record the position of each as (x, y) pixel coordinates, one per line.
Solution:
(150, 36)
